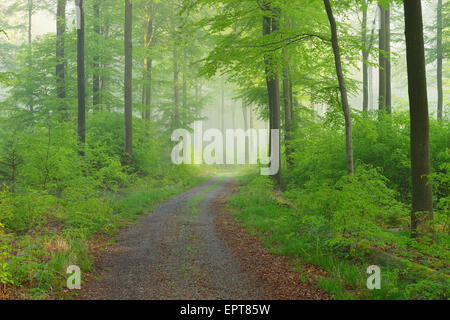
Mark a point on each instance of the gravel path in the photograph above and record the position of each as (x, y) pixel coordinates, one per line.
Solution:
(173, 253)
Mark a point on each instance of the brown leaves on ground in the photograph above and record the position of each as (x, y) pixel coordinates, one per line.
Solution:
(273, 274)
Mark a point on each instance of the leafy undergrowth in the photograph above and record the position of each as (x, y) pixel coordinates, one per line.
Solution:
(42, 234)
(343, 229)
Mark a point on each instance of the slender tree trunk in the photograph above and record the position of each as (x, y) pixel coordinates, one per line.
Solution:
(128, 105)
(245, 118)
(271, 25)
(342, 88)
(104, 64)
(176, 88)
(365, 57)
(30, 16)
(382, 60)
(287, 108)
(147, 84)
(30, 57)
(81, 77)
(422, 197)
(96, 63)
(439, 61)
(267, 27)
(184, 79)
(387, 48)
(370, 85)
(222, 121)
(370, 69)
(251, 125)
(60, 55)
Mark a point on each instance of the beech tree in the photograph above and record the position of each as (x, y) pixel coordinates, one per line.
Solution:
(128, 78)
(81, 73)
(422, 197)
(60, 56)
(342, 88)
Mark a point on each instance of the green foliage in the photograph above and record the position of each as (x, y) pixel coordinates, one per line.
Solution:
(339, 227)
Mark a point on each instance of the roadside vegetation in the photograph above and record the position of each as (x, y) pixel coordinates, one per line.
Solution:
(60, 208)
(344, 227)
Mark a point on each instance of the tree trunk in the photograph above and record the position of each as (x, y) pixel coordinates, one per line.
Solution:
(30, 16)
(382, 60)
(184, 80)
(245, 118)
(422, 202)
(104, 64)
(128, 105)
(267, 27)
(222, 121)
(365, 57)
(271, 25)
(176, 88)
(96, 63)
(342, 88)
(287, 108)
(81, 77)
(387, 62)
(251, 126)
(60, 55)
(439, 61)
(147, 84)
(30, 58)
(370, 69)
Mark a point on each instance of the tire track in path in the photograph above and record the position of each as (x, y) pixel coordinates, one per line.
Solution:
(173, 252)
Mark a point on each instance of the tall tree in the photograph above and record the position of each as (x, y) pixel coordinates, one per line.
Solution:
(245, 118)
(365, 57)
(96, 63)
(30, 18)
(271, 24)
(342, 87)
(287, 91)
(176, 88)
(147, 83)
(60, 53)
(81, 73)
(128, 96)
(439, 60)
(387, 62)
(422, 200)
(222, 118)
(382, 59)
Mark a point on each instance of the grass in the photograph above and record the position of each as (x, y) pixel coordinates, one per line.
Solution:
(37, 259)
(286, 231)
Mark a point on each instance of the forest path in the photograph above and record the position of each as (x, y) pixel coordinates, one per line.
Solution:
(174, 253)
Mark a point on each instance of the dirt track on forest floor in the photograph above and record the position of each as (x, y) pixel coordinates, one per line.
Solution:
(181, 252)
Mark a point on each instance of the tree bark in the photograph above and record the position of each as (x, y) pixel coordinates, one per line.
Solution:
(245, 118)
(387, 62)
(342, 88)
(30, 16)
(382, 60)
(147, 84)
(128, 105)
(365, 57)
(287, 108)
(422, 202)
(176, 88)
(439, 61)
(60, 55)
(184, 79)
(271, 24)
(222, 121)
(96, 63)
(81, 78)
